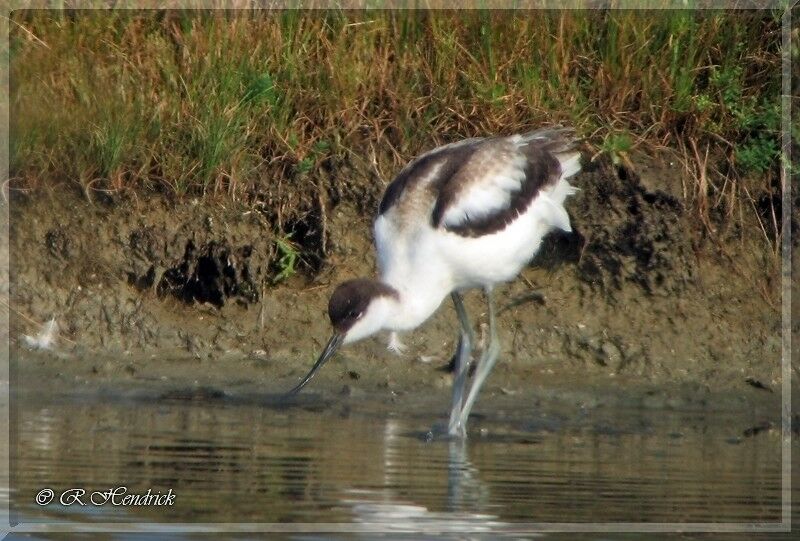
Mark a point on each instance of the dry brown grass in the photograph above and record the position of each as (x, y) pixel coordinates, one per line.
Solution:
(286, 110)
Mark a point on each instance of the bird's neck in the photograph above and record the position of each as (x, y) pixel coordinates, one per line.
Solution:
(413, 305)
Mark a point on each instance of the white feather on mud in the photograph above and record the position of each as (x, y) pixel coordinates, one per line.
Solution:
(46, 337)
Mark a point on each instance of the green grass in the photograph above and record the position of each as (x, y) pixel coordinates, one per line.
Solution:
(617, 146)
(274, 106)
(287, 259)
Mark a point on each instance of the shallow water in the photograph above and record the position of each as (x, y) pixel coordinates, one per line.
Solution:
(357, 463)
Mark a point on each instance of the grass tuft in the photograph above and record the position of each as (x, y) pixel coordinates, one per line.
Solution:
(271, 106)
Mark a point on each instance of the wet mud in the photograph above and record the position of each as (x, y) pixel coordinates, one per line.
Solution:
(638, 294)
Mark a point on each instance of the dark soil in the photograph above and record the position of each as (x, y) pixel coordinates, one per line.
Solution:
(637, 292)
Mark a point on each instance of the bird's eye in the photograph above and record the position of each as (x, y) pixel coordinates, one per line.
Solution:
(355, 314)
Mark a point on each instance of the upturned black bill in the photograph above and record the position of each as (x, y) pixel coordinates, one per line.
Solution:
(327, 353)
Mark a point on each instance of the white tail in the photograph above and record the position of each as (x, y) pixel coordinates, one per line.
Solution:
(570, 164)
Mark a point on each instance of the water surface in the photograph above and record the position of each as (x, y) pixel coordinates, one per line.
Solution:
(359, 462)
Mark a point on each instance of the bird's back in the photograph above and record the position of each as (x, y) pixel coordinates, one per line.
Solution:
(489, 181)
(473, 213)
(472, 189)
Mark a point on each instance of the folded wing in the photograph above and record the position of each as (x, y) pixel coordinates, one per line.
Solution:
(502, 177)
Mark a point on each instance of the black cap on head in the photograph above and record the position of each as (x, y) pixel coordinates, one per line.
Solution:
(351, 299)
(348, 303)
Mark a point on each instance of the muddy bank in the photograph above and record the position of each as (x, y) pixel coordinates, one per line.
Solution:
(636, 293)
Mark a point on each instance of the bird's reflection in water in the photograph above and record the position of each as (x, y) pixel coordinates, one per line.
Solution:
(464, 487)
(462, 513)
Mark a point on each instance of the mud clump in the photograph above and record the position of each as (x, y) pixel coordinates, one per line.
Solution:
(112, 275)
(206, 271)
(629, 292)
(630, 234)
(213, 273)
(57, 243)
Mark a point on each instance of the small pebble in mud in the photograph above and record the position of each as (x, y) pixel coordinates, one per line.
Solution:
(612, 356)
(442, 382)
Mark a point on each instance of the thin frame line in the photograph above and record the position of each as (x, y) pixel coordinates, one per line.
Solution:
(621, 527)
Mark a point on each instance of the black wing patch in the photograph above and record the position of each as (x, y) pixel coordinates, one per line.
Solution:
(541, 169)
(452, 158)
(455, 177)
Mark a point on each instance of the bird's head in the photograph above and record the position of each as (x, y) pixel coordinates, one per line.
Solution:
(357, 309)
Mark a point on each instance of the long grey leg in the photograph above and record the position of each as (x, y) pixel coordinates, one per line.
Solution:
(487, 362)
(465, 340)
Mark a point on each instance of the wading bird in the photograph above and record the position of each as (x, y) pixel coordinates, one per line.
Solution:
(466, 215)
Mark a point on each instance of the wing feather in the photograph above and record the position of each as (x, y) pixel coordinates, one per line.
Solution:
(502, 178)
(478, 186)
